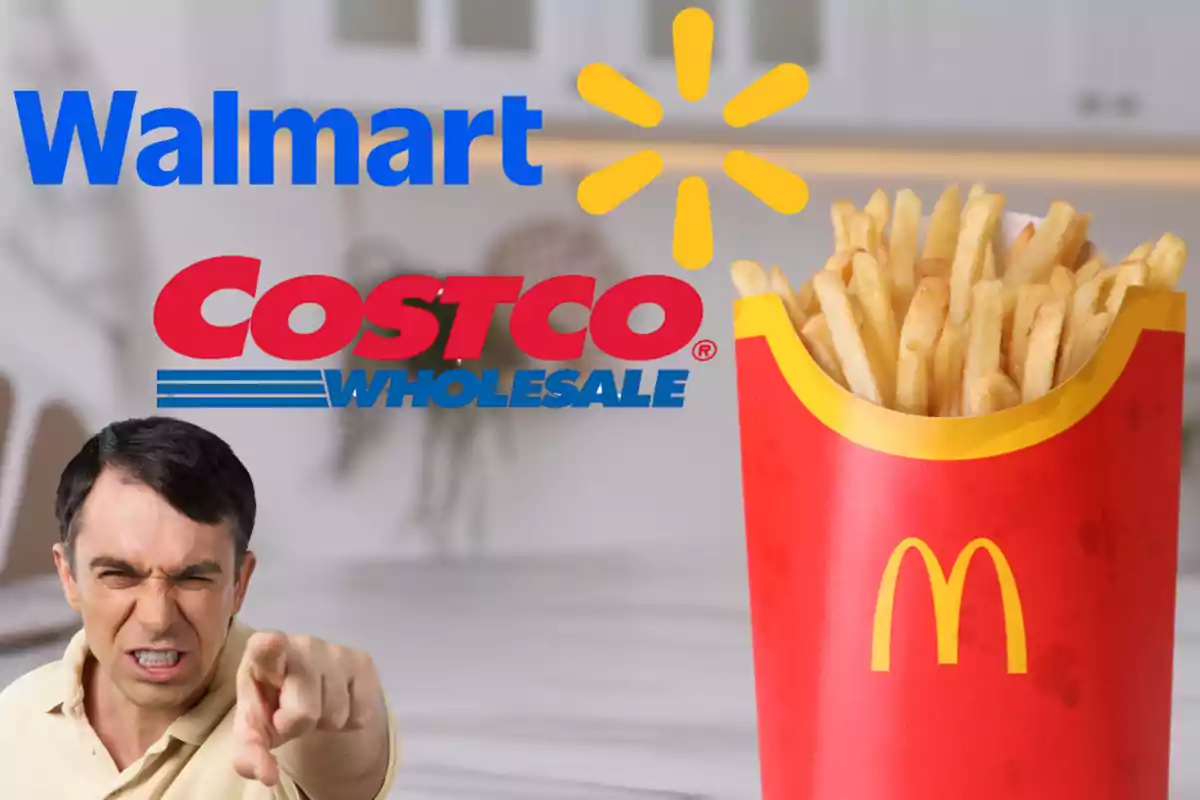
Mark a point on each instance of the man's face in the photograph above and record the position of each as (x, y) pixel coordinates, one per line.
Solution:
(156, 591)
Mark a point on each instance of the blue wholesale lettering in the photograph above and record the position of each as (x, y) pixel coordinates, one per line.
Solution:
(180, 157)
(531, 388)
(459, 388)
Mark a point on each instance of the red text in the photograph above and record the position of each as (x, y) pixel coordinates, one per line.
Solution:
(181, 325)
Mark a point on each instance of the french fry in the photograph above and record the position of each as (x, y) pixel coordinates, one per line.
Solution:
(985, 330)
(1089, 270)
(992, 392)
(847, 341)
(865, 238)
(1062, 281)
(1135, 273)
(884, 257)
(1140, 253)
(879, 209)
(906, 224)
(841, 211)
(978, 225)
(856, 309)
(1076, 238)
(807, 300)
(1020, 243)
(942, 238)
(985, 327)
(842, 262)
(1039, 257)
(913, 382)
(926, 316)
(932, 268)
(864, 234)
(1030, 297)
(1084, 343)
(1037, 375)
(949, 358)
(1166, 262)
(1010, 295)
(1087, 253)
(989, 263)
(819, 340)
(843, 265)
(779, 284)
(749, 278)
(977, 190)
(879, 328)
(1090, 298)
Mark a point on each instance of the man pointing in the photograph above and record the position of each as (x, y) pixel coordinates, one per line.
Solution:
(164, 694)
(303, 689)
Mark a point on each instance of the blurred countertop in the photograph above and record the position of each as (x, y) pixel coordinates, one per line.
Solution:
(582, 677)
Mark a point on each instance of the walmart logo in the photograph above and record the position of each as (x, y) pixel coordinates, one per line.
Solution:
(607, 188)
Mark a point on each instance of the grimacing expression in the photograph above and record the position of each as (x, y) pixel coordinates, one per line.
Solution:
(156, 591)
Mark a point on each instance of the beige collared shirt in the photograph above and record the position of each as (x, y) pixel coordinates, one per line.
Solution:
(49, 751)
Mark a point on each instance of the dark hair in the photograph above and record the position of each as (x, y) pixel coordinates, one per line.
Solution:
(192, 469)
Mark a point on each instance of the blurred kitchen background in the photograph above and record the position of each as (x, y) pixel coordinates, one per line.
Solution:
(571, 622)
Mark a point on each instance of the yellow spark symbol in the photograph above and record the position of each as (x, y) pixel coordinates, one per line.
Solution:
(605, 189)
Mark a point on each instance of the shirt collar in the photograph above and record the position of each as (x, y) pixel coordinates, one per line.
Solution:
(66, 691)
(193, 727)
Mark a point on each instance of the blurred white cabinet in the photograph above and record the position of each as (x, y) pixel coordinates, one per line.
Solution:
(1111, 67)
(427, 54)
(1089, 68)
(834, 40)
(1033, 67)
(967, 66)
(1137, 64)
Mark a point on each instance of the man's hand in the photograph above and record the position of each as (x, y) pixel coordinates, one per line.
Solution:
(289, 686)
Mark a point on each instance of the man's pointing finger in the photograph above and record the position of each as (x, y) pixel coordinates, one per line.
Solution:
(266, 658)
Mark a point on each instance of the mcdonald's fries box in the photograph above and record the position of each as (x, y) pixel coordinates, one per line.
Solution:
(971, 608)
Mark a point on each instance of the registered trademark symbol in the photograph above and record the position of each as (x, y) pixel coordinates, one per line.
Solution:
(704, 350)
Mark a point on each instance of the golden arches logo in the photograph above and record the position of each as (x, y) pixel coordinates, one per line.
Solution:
(947, 604)
(608, 90)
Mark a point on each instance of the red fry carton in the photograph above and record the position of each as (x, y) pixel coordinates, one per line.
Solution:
(970, 608)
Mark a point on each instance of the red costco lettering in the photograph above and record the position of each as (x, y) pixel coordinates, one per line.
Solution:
(477, 297)
(530, 323)
(386, 308)
(177, 311)
(273, 334)
(683, 311)
(180, 323)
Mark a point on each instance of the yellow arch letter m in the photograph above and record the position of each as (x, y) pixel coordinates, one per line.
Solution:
(947, 604)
